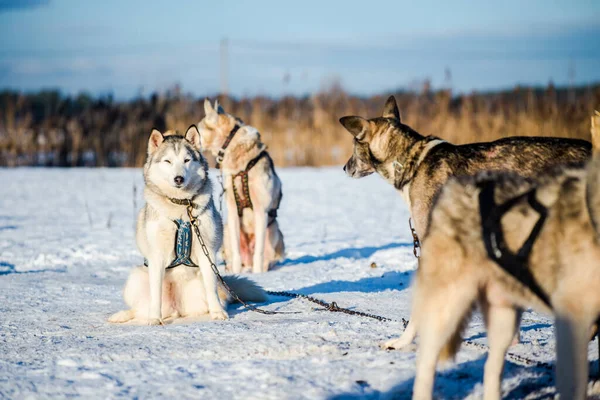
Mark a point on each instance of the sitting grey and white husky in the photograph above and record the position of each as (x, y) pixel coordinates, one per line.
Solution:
(178, 280)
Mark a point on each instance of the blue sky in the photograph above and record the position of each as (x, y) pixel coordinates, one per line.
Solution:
(128, 47)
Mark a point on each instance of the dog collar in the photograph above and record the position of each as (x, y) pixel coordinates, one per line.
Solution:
(190, 203)
(221, 153)
(184, 202)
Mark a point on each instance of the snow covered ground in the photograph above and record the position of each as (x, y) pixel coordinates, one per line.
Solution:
(67, 245)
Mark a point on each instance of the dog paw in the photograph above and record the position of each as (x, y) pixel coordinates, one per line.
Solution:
(219, 315)
(394, 344)
(121, 317)
(155, 321)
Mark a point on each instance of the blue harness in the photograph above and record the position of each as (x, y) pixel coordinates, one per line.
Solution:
(183, 245)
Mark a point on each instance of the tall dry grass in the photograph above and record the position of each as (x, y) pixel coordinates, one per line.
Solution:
(53, 130)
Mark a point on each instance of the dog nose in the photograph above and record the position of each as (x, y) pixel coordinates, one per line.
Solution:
(179, 180)
(344, 168)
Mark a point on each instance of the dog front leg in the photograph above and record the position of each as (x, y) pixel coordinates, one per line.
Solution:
(156, 274)
(260, 235)
(215, 308)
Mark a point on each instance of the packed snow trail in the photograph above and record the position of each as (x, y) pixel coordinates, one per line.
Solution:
(67, 245)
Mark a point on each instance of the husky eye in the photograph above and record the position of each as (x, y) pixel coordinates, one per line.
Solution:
(167, 161)
(187, 160)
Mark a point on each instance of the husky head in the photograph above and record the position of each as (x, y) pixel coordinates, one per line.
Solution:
(175, 167)
(215, 127)
(379, 143)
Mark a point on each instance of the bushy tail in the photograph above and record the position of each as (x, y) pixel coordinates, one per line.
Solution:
(453, 344)
(244, 288)
(596, 131)
(593, 175)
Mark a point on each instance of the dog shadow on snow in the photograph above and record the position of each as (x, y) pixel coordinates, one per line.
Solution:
(351, 252)
(388, 280)
(8, 269)
(460, 381)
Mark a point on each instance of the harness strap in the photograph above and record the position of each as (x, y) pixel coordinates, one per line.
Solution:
(246, 201)
(493, 236)
(221, 153)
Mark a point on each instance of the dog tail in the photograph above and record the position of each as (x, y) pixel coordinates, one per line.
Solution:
(453, 344)
(592, 191)
(245, 289)
(596, 131)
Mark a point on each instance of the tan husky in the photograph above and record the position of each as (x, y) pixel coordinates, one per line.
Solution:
(505, 244)
(252, 191)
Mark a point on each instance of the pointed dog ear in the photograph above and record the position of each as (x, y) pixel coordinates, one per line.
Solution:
(208, 108)
(211, 117)
(219, 108)
(193, 136)
(357, 126)
(390, 110)
(156, 138)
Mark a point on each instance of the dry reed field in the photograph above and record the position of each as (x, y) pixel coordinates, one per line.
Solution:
(49, 129)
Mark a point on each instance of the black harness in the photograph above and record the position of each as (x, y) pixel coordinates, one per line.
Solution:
(244, 201)
(517, 264)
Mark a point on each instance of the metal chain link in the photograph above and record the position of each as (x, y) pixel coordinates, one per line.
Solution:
(333, 306)
(416, 241)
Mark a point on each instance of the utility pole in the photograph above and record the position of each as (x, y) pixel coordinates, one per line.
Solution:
(224, 67)
(572, 81)
(448, 80)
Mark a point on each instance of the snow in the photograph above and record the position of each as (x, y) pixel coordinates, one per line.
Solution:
(67, 245)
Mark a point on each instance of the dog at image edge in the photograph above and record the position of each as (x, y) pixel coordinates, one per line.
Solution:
(456, 273)
(175, 172)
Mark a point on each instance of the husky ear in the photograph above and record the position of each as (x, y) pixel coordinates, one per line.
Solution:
(219, 108)
(212, 117)
(193, 136)
(156, 138)
(357, 126)
(390, 110)
(596, 132)
(208, 108)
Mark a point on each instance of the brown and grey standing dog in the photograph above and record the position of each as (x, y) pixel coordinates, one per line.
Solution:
(464, 263)
(419, 165)
(252, 191)
(178, 280)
